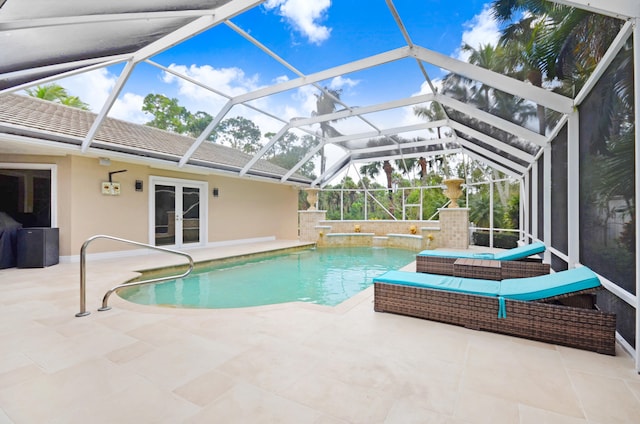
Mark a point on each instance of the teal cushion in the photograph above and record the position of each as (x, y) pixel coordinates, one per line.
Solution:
(451, 254)
(507, 255)
(549, 285)
(440, 282)
(483, 256)
(520, 252)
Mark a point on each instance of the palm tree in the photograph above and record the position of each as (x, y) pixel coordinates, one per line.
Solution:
(480, 212)
(549, 42)
(74, 101)
(566, 45)
(326, 103)
(50, 92)
(58, 94)
(487, 98)
(488, 57)
(434, 112)
(407, 165)
(373, 169)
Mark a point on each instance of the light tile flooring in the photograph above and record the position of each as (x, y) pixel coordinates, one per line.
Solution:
(291, 363)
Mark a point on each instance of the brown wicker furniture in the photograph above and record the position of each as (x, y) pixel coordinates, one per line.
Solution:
(508, 269)
(491, 269)
(513, 263)
(548, 320)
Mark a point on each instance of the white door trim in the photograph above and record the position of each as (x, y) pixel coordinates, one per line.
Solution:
(177, 182)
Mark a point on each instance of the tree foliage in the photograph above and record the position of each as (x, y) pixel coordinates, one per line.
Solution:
(58, 94)
(239, 133)
(167, 113)
(290, 149)
(550, 42)
(327, 102)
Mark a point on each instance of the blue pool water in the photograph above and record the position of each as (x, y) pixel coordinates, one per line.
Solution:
(324, 276)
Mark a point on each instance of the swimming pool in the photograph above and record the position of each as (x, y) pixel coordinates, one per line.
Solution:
(325, 276)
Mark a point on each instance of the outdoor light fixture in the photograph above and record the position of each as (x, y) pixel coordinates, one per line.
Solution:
(138, 185)
(216, 192)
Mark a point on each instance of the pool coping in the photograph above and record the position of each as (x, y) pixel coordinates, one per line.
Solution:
(340, 308)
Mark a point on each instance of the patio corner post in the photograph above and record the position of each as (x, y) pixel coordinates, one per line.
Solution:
(548, 206)
(573, 189)
(636, 83)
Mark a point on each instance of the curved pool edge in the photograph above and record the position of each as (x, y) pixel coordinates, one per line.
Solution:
(159, 271)
(344, 305)
(366, 295)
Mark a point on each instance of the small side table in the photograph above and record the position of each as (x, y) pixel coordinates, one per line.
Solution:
(485, 269)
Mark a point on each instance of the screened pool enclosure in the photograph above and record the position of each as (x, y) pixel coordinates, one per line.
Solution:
(572, 151)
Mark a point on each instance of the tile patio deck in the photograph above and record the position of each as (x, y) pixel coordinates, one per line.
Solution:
(290, 363)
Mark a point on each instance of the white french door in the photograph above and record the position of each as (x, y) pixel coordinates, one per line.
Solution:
(178, 213)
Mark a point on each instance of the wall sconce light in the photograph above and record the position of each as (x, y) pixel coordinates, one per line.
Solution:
(138, 185)
(216, 192)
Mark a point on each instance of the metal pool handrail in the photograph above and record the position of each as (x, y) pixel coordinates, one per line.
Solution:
(83, 272)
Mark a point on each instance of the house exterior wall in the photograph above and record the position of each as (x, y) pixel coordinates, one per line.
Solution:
(249, 208)
(244, 209)
(91, 212)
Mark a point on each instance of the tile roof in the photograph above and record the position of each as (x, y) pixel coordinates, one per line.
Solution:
(24, 115)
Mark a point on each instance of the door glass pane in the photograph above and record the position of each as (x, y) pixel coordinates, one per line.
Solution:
(190, 215)
(165, 215)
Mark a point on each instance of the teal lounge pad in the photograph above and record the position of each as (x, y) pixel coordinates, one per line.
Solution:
(508, 255)
(532, 288)
(544, 286)
(440, 282)
(520, 252)
(453, 254)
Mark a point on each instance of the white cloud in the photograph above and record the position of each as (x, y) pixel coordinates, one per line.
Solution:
(281, 78)
(305, 96)
(94, 87)
(230, 81)
(91, 87)
(129, 108)
(340, 82)
(481, 30)
(304, 16)
(234, 82)
(408, 116)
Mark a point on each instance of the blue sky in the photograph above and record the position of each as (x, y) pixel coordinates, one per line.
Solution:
(311, 36)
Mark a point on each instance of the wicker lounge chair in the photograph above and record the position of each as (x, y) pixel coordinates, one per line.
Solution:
(513, 263)
(556, 308)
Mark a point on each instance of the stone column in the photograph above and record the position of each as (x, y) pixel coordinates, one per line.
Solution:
(454, 228)
(307, 221)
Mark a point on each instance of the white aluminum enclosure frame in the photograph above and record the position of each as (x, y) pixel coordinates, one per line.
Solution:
(198, 21)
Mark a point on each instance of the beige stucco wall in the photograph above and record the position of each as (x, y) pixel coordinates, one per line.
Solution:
(250, 208)
(90, 212)
(244, 209)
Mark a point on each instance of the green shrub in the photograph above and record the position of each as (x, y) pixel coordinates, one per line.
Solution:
(500, 240)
